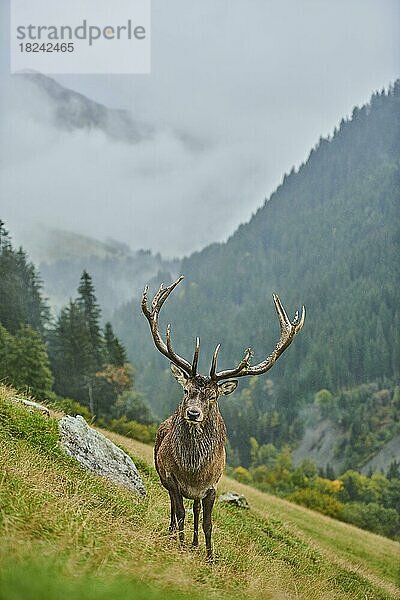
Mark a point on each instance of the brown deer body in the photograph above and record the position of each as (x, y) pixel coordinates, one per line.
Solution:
(189, 450)
(190, 453)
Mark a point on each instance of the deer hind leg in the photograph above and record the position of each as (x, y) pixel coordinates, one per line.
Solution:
(196, 512)
(172, 523)
(208, 503)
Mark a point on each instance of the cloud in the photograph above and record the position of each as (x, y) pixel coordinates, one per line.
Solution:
(239, 92)
(163, 192)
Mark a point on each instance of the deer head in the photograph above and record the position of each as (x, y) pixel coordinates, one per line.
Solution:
(200, 395)
(201, 392)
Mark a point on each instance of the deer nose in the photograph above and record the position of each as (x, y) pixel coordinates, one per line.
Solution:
(193, 414)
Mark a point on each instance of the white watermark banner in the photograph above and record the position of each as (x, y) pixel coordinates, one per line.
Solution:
(80, 36)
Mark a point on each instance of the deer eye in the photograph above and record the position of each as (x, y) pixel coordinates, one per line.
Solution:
(186, 392)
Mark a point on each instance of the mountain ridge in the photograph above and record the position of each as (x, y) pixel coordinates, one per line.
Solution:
(73, 110)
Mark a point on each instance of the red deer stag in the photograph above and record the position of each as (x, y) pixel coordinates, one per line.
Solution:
(190, 445)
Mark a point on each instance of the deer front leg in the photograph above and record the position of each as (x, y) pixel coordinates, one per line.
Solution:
(180, 516)
(196, 512)
(172, 523)
(177, 508)
(208, 503)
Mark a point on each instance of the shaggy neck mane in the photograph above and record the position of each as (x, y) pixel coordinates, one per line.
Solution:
(194, 445)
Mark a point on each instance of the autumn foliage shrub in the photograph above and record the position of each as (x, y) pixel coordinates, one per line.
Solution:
(323, 503)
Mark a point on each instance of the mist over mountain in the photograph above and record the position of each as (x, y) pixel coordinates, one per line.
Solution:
(118, 272)
(72, 163)
(71, 110)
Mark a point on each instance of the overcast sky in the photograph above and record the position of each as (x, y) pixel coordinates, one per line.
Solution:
(253, 83)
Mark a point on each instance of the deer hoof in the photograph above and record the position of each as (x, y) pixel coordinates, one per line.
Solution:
(210, 558)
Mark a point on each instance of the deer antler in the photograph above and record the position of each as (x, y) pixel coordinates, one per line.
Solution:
(152, 317)
(288, 331)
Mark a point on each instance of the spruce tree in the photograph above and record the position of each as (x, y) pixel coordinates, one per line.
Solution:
(87, 302)
(21, 300)
(70, 352)
(24, 362)
(116, 376)
(115, 353)
(5, 241)
(88, 367)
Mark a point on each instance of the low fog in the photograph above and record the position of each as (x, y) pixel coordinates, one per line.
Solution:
(239, 93)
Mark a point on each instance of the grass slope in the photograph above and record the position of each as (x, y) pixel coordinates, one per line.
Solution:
(67, 533)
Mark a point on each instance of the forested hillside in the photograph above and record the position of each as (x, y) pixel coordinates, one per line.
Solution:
(73, 362)
(327, 238)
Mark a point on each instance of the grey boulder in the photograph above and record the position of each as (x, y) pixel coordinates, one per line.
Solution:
(234, 498)
(98, 454)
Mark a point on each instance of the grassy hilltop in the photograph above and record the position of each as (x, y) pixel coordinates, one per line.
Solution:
(67, 533)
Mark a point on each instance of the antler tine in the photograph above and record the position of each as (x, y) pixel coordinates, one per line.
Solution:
(244, 364)
(303, 318)
(163, 294)
(144, 301)
(152, 316)
(173, 356)
(157, 295)
(214, 362)
(288, 331)
(196, 357)
(283, 318)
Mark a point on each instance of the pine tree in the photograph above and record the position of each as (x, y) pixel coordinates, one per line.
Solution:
(393, 471)
(330, 473)
(24, 362)
(116, 375)
(71, 356)
(115, 353)
(94, 358)
(5, 241)
(21, 300)
(87, 302)
(88, 366)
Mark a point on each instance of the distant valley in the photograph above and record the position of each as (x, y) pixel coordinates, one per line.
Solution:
(118, 272)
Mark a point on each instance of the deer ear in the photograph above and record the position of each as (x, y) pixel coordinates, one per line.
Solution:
(228, 387)
(179, 375)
